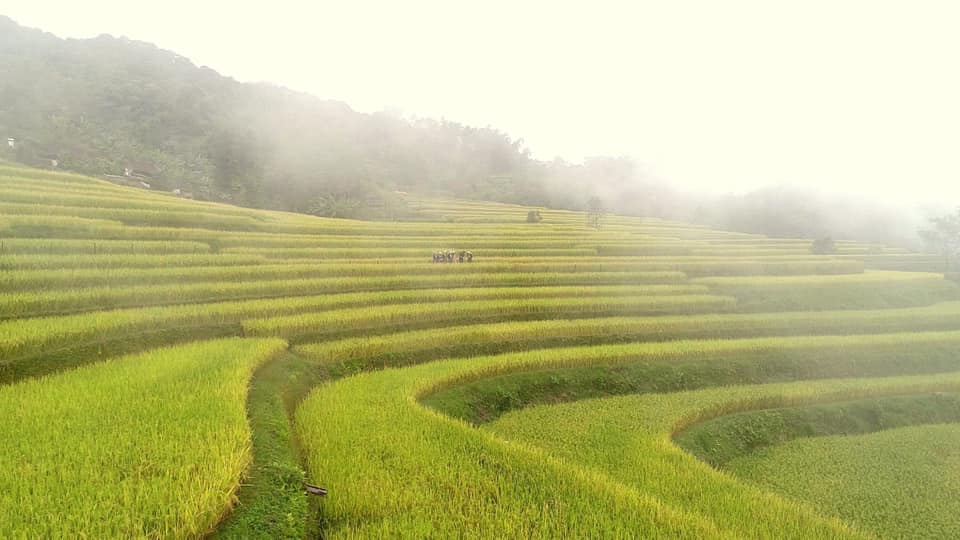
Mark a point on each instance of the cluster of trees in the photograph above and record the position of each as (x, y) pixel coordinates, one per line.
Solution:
(823, 246)
(942, 236)
(104, 105)
(795, 212)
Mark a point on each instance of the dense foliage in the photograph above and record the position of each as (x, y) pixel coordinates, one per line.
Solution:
(103, 452)
(108, 104)
(849, 477)
(943, 237)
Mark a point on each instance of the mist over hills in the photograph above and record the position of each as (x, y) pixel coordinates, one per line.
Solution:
(106, 105)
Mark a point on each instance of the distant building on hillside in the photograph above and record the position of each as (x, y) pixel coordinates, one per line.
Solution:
(11, 142)
(136, 175)
(142, 172)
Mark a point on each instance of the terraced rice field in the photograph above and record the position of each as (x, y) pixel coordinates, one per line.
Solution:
(180, 369)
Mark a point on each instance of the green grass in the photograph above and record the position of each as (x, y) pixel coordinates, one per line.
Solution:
(77, 278)
(36, 303)
(112, 202)
(426, 455)
(687, 365)
(901, 483)
(549, 313)
(43, 246)
(272, 503)
(914, 262)
(147, 445)
(27, 338)
(732, 437)
(383, 318)
(360, 253)
(872, 290)
(392, 471)
(628, 438)
(34, 220)
(63, 263)
(401, 348)
(235, 267)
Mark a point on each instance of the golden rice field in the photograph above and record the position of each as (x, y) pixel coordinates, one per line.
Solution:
(180, 369)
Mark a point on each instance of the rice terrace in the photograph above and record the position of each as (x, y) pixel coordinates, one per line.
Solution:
(182, 369)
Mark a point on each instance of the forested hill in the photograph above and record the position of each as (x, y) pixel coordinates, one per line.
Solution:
(106, 104)
(103, 105)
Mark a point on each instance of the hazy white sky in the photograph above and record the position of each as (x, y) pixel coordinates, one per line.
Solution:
(842, 95)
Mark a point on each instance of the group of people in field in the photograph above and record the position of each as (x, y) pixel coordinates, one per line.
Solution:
(451, 256)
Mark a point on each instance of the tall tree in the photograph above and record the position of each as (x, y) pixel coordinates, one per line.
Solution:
(943, 237)
(595, 212)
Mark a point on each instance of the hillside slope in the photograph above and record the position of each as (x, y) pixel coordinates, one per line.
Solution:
(107, 104)
(650, 326)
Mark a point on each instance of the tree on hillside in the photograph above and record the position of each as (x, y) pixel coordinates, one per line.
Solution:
(534, 216)
(237, 169)
(394, 206)
(943, 238)
(595, 212)
(335, 205)
(823, 246)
